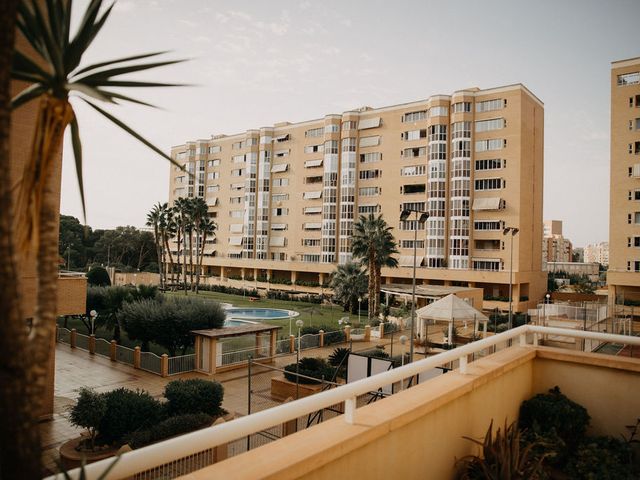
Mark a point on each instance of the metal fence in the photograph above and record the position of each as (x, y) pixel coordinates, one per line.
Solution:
(124, 355)
(82, 341)
(238, 356)
(150, 362)
(283, 346)
(103, 347)
(182, 364)
(64, 335)
(309, 341)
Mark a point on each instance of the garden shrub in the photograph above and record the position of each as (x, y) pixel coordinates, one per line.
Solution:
(310, 367)
(338, 356)
(194, 396)
(127, 411)
(551, 412)
(88, 412)
(98, 277)
(168, 428)
(600, 458)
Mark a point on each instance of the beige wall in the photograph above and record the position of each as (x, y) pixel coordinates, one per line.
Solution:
(522, 122)
(622, 284)
(418, 433)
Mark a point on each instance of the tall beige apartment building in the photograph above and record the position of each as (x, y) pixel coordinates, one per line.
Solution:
(624, 218)
(285, 198)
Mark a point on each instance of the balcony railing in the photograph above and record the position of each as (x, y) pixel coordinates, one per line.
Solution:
(186, 446)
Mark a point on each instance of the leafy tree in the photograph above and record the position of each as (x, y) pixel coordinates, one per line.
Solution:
(194, 395)
(98, 277)
(349, 282)
(88, 412)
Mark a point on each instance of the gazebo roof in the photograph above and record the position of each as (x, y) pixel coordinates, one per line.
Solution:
(450, 308)
(236, 331)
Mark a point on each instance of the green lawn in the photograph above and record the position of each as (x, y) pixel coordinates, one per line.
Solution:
(311, 314)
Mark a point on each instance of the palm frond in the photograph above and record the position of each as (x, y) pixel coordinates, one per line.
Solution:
(129, 83)
(114, 72)
(22, 63)
(28, 26)
(133, 133)
(77, 155)
(30, 93)
(119, 96)
(90, 26)
(53, 49)
(95, 66)
(90, 92)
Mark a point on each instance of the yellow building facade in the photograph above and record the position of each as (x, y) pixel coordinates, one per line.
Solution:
(285, 197)
(624, 218)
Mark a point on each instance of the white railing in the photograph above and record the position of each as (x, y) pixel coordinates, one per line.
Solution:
(283, 346)
(309, 340)
(82, 341)
(238, 356)
(124, 354)
(182, 364)
(165, 452)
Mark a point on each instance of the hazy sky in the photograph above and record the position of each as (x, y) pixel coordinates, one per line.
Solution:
(254, 63)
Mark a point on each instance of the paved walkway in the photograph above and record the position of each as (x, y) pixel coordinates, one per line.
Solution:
(77, 368)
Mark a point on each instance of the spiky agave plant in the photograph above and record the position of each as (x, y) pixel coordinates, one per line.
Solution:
(55, 75)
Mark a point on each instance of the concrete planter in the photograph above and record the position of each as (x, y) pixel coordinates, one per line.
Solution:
(281, 389)
(71, 458)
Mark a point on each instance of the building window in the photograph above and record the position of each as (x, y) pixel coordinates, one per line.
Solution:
(309, 258)
(491, 144)
(413, 171)
(280, 212)
(316, 179)
(311, 242)
(279, 197)
(370, 157)
(349, 125)
(213, 163)
(489, 164)
(461, 130)
(314, 132)
(628, 79)
(237, 172)
(236, 213)
(369, 174)
(437, 151)
(333, 128)
(409, 244)
(280, 182)
(213, 175)
(490, 265)
(331, 147)
(487, 225)
(366, 209)
(369, 191)
(349, 144)
(462, 107)
(414, 152)
(414, 134)
(313, 148)
(213, 188)
(412, 189)
(489, 105)
(438, 112)
(488, 184)
(414, 116)
(489, 125)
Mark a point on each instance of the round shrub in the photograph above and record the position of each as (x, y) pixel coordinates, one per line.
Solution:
(168, 428)
(127, 411)
(553, 413)
(88, 412)
(601, 457)
(309, 367)
(194, 396)
(98, 277)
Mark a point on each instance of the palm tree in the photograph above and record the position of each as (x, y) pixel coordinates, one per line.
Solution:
(373, 243)
(55, 75)
(181, 212)
(206, 228)
(168, 230)
(198, 211)
(349, 282)
(153, 220)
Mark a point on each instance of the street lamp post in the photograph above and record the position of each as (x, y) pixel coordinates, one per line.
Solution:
(403, 341)
(299, 324)
(513, 231)
(359, 302)
(421, 217)
(93, 314)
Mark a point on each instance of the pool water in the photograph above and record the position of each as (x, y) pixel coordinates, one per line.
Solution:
(231, 322)
(244, 313)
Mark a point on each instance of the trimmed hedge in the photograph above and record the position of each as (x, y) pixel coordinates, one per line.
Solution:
(310, 367)
(127, 411)
(168, 428)
(194, 396)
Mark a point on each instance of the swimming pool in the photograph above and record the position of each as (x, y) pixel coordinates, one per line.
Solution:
(233, 322)
(246, 313)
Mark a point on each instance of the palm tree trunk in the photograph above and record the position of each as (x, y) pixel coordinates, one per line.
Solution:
(191, 259)
(372, 286)
(178, 253)
(184, 263)
(377, 290)
(20, 453)
(201, 256)
(168, 250)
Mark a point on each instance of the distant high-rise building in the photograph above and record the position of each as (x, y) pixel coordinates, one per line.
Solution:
(555, 248)
(597, 253)
(286, 197)
(624, 217)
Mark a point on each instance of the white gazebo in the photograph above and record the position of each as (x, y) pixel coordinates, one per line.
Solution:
(450, 309)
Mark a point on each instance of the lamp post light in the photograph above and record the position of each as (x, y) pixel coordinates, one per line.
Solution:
(403, 341)
(513, 231)
(299, 324)
(544, 312)
(421, 217)
(359, 302)
(92, 315)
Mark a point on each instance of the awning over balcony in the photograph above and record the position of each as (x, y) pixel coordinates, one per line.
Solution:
(487, 203)
(313, 163)
(370, 141)
(281, 167)
(212, 201)
(369, 123)
(236, 228)
(407, 260)
(277, 241)
(235, 241)
(282, 138)
(309, 210)
(312, 195)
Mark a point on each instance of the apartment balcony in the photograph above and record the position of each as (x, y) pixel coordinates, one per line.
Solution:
(415, 433)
